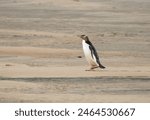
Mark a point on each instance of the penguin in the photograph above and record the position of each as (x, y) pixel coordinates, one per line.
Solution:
(90, 53)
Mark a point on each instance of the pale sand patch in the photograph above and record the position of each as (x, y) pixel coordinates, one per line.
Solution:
(37, 52)
(67, 67)
(78, 71)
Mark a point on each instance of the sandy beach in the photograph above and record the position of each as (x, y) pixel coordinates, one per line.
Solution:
(41, 57)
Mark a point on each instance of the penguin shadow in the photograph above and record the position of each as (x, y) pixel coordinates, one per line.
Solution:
(95, 70)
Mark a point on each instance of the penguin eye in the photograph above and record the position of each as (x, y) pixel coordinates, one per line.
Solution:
(84, 37)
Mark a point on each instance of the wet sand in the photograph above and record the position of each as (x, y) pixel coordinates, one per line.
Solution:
(41, 57)
(99, 89)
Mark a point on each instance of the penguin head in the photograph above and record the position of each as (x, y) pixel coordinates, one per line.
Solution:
(84, 37)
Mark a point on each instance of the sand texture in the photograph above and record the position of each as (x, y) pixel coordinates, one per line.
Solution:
(41, 57)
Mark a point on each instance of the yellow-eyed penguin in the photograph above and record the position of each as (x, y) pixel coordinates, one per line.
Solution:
(90, 53)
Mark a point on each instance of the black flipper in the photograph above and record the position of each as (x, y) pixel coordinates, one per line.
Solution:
(94, 52)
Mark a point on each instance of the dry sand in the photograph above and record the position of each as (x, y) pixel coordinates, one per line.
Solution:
(41, 58)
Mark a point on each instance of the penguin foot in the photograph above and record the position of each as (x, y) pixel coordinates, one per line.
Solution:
(91, 69)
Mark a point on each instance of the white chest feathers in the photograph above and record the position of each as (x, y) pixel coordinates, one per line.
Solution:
(90, 57)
